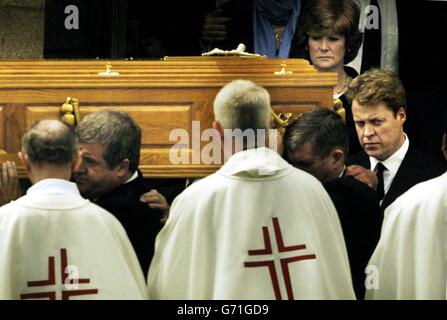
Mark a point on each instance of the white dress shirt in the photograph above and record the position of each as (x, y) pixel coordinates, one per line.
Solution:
(392, 164)
(134, 177)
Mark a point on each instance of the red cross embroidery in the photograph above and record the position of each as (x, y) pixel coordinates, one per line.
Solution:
(51, 281)
(270, 264)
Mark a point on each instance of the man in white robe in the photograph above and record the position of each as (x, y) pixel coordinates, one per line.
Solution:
(410, 261)
(256, 229)
(56, 245)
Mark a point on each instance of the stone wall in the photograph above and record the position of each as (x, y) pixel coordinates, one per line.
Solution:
(22, 29)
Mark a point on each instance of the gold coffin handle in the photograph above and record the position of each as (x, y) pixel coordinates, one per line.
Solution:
(340, 109)
(284, 120)
(71, 114)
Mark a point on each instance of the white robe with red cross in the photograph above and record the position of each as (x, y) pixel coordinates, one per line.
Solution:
(410, 261)
(256, 229)
(55, 245)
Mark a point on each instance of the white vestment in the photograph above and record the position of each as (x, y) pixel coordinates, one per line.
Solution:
(256, 229)
(56, 245)
(410, 261)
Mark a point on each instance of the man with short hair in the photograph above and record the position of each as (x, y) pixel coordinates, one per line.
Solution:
(317, 142)
(109, 147)
(53, 234)
(227, 234)
(378, 105)
(410, 261)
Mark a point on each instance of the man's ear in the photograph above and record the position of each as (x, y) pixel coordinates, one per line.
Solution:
(402, 114)
(217, 126)
(338, 156)
(25, 160)
(123, 168)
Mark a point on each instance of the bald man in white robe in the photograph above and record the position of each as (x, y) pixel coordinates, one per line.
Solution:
(256, 229)
(56, 245)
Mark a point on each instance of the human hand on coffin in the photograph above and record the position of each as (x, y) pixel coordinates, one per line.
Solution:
(9, 183)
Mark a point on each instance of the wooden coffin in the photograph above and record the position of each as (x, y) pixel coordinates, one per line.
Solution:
(160, 95)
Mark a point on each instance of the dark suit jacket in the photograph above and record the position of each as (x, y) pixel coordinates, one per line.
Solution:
(358, 210)
(415, 168)
(141, 223)
(169, 188)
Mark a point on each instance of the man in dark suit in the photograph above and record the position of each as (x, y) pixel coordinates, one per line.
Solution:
(109, 148)
(378, 106)
(318, 143)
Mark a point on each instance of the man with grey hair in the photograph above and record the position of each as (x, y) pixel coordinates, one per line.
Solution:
(227, 233)
(243, 95)
(53, 232)
(107, 173)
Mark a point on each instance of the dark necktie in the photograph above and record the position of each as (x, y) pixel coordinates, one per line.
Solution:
(380, 191)
(372, 42)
